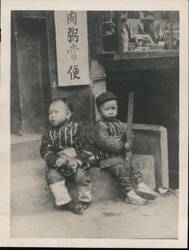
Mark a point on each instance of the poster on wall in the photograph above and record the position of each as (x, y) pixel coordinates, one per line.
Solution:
(72, 48)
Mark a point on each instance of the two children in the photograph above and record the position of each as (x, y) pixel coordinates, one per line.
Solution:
(64, 148)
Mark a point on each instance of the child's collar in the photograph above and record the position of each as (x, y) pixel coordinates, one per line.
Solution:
(110, 119)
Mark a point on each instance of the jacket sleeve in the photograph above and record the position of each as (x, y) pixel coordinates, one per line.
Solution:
(112, 144)
(84, 145)
(47, 151)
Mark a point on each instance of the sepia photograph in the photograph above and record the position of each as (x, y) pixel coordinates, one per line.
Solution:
(94, 109)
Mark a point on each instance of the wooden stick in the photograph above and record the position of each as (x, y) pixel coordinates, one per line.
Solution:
(130, 121)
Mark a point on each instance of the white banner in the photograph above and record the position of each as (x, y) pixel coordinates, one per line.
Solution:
(72, 48)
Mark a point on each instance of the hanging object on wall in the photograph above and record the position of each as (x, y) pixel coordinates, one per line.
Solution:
(125, 37)
(72, 48)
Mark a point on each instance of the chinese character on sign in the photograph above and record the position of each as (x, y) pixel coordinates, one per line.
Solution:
(73, 35)
(72, 47)
(74, 72)
(72, 18)
(73, 52)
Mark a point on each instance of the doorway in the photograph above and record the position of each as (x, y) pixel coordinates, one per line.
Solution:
(30, 86)
(156, 101)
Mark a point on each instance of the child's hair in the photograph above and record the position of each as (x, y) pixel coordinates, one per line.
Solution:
(66, 101)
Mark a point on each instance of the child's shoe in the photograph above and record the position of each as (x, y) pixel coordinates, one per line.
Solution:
(134, 199)
(146, 192)
(81, 207)
(68, 206)
(77, 208)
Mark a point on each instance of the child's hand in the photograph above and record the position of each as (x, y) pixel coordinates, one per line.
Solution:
(69, 152)
(128, 146)
(74, 164)
(60, 161)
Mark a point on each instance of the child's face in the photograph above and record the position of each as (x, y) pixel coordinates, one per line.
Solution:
(58, 113)
(108, 109)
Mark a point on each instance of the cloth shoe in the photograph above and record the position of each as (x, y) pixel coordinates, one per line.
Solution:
(134, 199)
(146, 192)
(69, 206)
(81, 207)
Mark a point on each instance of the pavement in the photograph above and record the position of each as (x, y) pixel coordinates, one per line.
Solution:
(34, 216)
(110, 219)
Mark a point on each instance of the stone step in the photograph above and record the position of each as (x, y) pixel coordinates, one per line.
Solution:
(29, 191)
(25, 147)
(148, 140)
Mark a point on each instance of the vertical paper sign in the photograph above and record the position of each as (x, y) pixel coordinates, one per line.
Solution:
(72, 48)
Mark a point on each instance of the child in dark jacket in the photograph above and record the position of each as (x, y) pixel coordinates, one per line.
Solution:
(111, 146)
(63, 147)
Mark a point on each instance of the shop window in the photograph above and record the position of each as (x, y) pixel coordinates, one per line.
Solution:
(130, 31)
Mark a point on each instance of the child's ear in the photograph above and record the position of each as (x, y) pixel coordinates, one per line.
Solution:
(69, 114)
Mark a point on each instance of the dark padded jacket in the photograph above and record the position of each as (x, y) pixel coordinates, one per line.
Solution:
(68, 134)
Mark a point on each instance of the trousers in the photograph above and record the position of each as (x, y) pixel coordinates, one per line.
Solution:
(75, 188)
(125, 174)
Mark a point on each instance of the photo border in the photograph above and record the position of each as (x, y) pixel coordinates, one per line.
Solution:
(6, 7)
